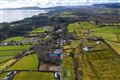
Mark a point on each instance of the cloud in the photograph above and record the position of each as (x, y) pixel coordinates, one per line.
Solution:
(49, 3)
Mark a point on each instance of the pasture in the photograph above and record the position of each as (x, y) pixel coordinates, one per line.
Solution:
(102, 65)
(6, 64)
(115, 46)
(29, 62)
(68, 70)
(38, 30)
(12, 50)
(18, 38)
(33, 76)
(5, 58)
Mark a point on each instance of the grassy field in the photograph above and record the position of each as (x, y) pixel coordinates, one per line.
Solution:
(105, 31)
(12, 50)
(14, 38)
(18, 47)
(71, 27)
(3, 75)
(4, 65)
(85, 25)
(97, 31)
(38, 30)
(26, 63)
(115, 46)
(101, 63)
(33, 76)
(68, 71)
(67, 63)
(68, 15)
(5, 58)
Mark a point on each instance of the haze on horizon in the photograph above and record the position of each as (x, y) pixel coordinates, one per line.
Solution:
(50, 3)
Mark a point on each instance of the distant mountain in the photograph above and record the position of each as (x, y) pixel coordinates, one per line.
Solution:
(108, 5)
(23, 8)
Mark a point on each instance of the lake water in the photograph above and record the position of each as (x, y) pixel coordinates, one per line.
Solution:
(14, 15)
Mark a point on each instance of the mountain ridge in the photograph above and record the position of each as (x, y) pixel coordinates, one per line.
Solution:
(111, 5)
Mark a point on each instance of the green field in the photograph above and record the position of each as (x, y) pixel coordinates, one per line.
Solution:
(107, 29)
(29, 62)
(68, 70)
(5, 58)
(6, 64)
(38, 30)
(12, 50)
(97, 31)
(71, 27)
(85, 25)
(102, 65)
(107, 32)
(80, 25)
(18, 47)
(3, 75)
(33, 76)
(14, 39)
(115, 46)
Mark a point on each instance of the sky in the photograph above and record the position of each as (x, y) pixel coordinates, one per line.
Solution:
(49, 3)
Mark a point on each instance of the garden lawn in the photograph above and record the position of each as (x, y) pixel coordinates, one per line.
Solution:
(34, 76)
(29, 62)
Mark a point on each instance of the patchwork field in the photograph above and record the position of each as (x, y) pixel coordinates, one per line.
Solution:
(101, 63)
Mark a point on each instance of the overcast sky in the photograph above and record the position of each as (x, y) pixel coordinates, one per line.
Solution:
(49, 3)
